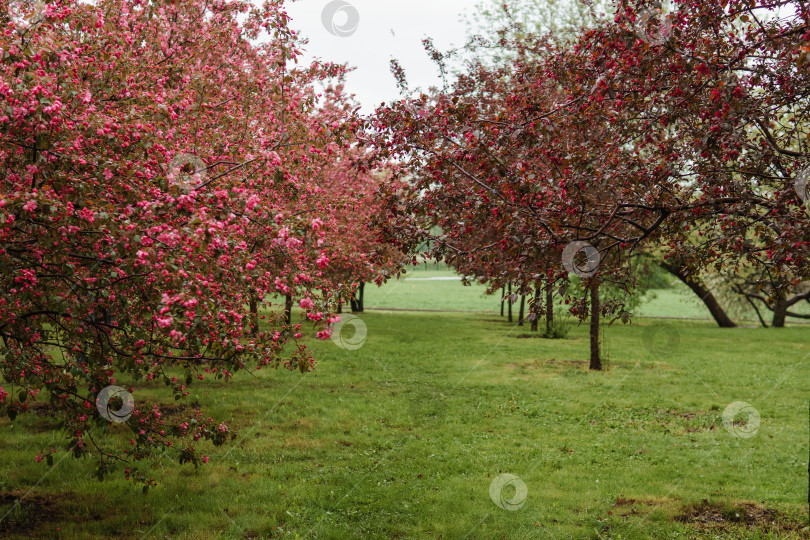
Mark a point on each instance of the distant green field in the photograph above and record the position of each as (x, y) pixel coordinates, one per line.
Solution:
(408, 436)
(421, 290)
(678, 301)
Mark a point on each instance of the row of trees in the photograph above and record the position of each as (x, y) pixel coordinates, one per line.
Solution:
(169, 172)
(680, 136)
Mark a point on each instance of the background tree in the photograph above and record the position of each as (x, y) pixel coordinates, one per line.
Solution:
(496, 20)
(564, 19)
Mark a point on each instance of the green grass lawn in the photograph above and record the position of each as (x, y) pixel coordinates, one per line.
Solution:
(404, 437)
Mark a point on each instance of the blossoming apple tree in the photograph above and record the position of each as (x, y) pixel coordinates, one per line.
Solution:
(158, 189)
(639, 133)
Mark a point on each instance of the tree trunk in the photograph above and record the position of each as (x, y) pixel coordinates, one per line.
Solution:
(355, 300)
(779, 311)
(288, 308)
(503, 298)
(361, 297)
(697, 286)
(522, 309)
(596, 360)
(254, 315)
(549, 309)
(535, 322)
(339, 305)
(510, 302)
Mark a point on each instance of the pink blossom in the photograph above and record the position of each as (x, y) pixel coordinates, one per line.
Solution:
(306, 303)
(324, 334)
(252, 201)
(87, 214)
(165, 322)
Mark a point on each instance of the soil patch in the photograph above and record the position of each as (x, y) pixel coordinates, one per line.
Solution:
(21, 517)
(727, 517)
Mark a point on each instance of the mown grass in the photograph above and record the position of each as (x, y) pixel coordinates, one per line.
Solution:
(403, 438)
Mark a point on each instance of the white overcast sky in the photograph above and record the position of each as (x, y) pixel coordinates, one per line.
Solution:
(387, 29)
